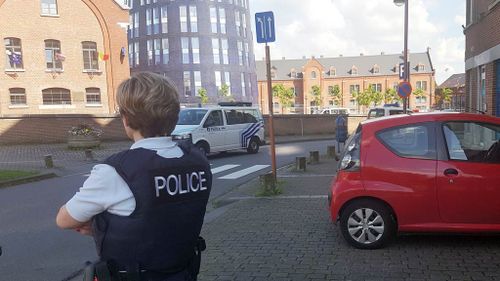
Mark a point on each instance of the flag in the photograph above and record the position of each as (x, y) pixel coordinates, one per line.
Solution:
(60, 57)
(15, 59)
(103, 56)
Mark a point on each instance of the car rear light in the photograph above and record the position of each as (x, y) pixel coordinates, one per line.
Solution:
(351, 156)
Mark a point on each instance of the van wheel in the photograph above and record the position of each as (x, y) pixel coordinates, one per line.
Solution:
(253, 145)
(203, 147)
(367, 224)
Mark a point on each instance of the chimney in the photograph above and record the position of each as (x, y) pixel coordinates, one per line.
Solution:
(321, 56)
(382, 53)
(283, 58)
(341, 55)
(303, 57)
(361, 54)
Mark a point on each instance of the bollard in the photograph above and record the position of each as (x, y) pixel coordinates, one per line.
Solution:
(330, 151)
(314, 157)
(88, 155)
(48, 161)
(300, 164)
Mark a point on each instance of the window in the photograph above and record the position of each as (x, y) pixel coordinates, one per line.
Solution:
(131, 54)
(56, 96)
(164, 50)
(17, 96)
(376, 87)
(225, 51)
(193, 18)
(222, 20)
(14, 53)
(149, 29)
(53, 56)
(157, 51)
(218, 80)
(213, 19)
(474, 142)
(149, 45)
(90, 59)
(216, 50)
(422, 85)
(414, 141)
(195, 48)
(293, 73)
(136, 24)
(234, 117)
(241, 54)
(354, 70)
(197, 82)
(333, 71)
(49, 7)
(227, 81)
(237, 20)
(421, 100)
(243, 85)
(156, 20)
(187, 83)
(214, 119)
(482, 104)
(244, 20)
(183, 18)
(136, 54)
(313, 75)
(353, 89)
(164, 19)
(376, 69)
(93, 95)
(420, 67)
(185, 50)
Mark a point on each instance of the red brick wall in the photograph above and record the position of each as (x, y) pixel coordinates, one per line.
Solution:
(484, 34)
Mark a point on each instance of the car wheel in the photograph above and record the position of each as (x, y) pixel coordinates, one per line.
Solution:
(253, 145)
(203, 147)
(367, 224)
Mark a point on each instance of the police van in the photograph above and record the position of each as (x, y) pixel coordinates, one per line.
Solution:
(229, 126)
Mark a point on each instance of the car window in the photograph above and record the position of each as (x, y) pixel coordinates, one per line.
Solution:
(395, 111)
(235, 117)
(471, 141)
(414, 141)
(250, 116)
(376, 113)
(191, 116)
(214, 119)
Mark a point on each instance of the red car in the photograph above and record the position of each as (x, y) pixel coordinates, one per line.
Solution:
(428, 172)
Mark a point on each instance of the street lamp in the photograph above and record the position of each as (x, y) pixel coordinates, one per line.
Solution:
(400, 3)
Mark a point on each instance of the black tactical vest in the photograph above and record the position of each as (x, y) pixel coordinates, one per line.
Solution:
(171, 197)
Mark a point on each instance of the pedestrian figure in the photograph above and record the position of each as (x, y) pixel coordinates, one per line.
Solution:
(145, 206)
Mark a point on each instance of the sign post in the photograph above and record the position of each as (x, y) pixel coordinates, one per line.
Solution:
(404, 91)
(265, 32)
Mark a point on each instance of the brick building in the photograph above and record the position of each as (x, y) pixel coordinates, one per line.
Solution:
(197, 44)
(62, 56)
(482, 56)
(456, 84)
(350, 75)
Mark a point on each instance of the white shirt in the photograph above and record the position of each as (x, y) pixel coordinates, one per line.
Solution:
(105, 190)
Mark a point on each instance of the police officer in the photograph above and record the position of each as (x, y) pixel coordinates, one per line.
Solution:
(145, 206)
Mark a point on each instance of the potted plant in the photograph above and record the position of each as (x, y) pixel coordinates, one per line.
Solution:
(84, 136)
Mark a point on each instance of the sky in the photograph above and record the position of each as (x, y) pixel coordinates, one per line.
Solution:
(350, 27)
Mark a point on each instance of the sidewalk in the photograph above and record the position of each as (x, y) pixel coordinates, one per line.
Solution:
(31, 157)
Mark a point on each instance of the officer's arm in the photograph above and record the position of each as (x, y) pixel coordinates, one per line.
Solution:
(66, 221)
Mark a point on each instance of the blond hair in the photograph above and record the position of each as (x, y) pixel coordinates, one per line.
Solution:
(150, 103)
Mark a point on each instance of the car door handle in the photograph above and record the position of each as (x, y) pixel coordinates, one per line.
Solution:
(449, 172)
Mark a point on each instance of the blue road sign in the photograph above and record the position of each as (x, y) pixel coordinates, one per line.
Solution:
(402, 72)
(404, 89)
(264, 23)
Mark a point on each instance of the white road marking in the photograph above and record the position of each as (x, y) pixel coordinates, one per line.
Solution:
(223, 168)
(244, 172)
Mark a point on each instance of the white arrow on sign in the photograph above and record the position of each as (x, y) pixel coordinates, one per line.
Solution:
(269, 21)
(262, 28)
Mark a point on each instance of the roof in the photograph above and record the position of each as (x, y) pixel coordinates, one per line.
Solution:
(454, 81)
(388, 65)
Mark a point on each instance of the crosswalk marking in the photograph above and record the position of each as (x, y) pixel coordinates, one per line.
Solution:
(244, 172)
(223, 168)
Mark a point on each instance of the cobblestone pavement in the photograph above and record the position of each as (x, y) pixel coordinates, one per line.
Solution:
(291, 237)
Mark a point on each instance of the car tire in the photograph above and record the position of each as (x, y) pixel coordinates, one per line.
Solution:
(367, 224)
(253, 145)
(203, 147)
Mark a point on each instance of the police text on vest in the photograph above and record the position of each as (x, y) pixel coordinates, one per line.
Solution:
(177, 184)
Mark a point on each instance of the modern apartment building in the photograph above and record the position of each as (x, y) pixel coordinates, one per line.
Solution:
(197, 44)
(482, 56)
(350, 75)
(62, 56)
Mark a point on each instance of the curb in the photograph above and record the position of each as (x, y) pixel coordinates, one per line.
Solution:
(22, 180)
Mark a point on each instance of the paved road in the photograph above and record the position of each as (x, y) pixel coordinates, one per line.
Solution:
(34, 249)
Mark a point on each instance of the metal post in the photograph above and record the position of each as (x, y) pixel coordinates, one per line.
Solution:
(271, 113)
(406, 100)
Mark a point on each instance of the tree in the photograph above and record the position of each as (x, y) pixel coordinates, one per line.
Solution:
(337, 95)
(446, 95)
(419, 93)
(375, 96)
(391, 96)
(202, 93)
(362, 98)
(316, 93)
(224, 91)
(284, 95)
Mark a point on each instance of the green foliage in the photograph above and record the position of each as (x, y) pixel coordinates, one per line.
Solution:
(419, 93)
(12, 174)
(284, 95)
(267, 191)
(224, 91)
(446, 95)
(362, 98)
(316, 93)
(337, 95)
(375, 97)
(391, 96)
(202, 93)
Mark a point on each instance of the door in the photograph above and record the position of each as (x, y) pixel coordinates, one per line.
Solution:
(215, 130)
(468, 180)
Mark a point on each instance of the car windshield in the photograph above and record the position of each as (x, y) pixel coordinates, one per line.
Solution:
(191, 116)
